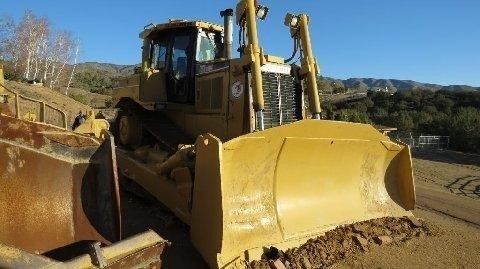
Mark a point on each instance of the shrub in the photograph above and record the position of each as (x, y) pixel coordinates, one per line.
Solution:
(82, 98)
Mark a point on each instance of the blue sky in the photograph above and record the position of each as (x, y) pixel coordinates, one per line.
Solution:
(435, 41)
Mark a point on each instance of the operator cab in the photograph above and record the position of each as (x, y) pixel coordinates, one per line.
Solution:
(174, 50)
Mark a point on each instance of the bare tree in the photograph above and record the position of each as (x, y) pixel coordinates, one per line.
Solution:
(31, 47)
(77, 48)
(9, 49)
(62, 54)
(7, 28)
(43, 32)
(26, 34)
(47, 57)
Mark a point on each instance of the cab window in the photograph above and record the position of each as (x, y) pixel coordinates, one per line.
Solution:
(159, 54)
(180, 57)
(209, 46)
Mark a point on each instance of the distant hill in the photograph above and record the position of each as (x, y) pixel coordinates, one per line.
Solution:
(110, 70)
(394, 85)
(390, 84)
(460, 88)
(114, 71)
(99, 77)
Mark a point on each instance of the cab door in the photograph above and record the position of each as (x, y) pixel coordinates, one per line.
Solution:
(180, 75)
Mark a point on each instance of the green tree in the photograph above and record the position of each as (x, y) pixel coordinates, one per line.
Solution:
(368, 102)
(338, 89)
(402, 120)
(328, 109)
(379, 115)
(93, 81)
(359, 106)
(353, 115)
(82, 98)
(443, 103)
(401, 105)
(423, 111)
(429, 109)
(465, 129)
(324, 85)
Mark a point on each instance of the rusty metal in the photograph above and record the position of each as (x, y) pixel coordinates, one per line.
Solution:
(57, 188)
(140, 251)
(5, 108)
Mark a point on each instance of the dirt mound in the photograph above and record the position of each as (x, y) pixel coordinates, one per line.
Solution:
(343, 241)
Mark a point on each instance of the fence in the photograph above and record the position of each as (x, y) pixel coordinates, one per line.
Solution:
(425, 141)
(25, 105)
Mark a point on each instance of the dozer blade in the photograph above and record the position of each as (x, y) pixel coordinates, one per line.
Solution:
(281, 186)
(59, 197)
(57, 188)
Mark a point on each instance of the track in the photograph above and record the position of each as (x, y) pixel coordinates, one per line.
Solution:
(449, 182)
(457, 206)
(166, 132)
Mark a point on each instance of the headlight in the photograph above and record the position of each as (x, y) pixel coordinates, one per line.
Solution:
(261, 12)
(291, 20)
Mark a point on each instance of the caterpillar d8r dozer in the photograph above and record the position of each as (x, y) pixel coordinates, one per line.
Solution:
(225, 142)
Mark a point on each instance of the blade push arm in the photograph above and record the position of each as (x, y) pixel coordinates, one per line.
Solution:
(309, 70)
(247, 13)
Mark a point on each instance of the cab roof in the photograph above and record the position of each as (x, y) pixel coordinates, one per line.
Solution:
(172, 24)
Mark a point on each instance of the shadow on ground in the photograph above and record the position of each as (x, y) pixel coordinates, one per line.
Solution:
(447, 156)
(140, 214)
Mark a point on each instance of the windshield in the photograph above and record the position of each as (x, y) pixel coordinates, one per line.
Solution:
(209, 46)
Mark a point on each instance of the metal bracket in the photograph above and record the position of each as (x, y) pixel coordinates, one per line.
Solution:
(96, 255)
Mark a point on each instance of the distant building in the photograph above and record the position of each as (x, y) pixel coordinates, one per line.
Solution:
(381, 89)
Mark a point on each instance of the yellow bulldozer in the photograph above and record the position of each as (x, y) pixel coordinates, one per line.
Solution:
(229, 146)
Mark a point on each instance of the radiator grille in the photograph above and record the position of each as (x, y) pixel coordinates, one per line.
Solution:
(283, 99)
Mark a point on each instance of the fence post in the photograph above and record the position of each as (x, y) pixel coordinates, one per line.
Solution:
(64, 117)
(17, 107)
(42, 112)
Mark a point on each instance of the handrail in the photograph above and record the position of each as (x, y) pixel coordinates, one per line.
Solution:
(43, 105)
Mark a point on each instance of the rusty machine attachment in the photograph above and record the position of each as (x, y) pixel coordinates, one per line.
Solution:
(59, 196)
(226, 144)
(139, 251)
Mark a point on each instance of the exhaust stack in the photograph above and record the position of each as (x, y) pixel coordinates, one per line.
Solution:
(227, 15)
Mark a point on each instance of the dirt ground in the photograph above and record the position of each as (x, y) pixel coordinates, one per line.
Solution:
(448, 200)
(456, 172)
(456, 244)
(345, 241)
(448, 203)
